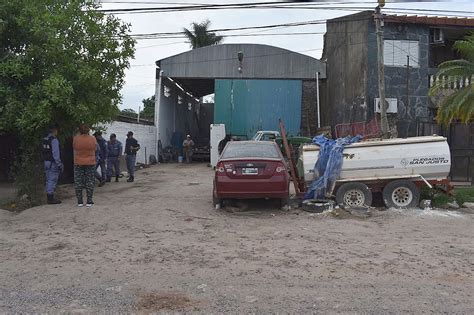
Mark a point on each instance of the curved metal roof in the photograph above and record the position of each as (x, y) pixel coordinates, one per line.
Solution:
(259, 62)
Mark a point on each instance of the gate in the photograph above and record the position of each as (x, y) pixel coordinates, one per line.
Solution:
(461, 143)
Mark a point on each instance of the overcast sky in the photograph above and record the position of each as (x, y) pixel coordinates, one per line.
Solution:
(140, 78)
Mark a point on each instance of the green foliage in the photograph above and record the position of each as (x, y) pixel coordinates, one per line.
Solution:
(200, 36)
(464, 194)
(129, 113)
(62, 62)
(460, 103)
(439, 198)
(148, 111)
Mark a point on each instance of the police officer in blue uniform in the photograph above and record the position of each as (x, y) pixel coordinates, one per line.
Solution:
(52, 163)
(114, 148)
(131, 149)
(102, 158)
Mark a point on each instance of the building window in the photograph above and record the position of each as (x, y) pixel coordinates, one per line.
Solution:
(395, 53)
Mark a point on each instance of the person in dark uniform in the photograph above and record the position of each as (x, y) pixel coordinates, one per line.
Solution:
(131, 149)
(102, 158)
(52, 163)
(114, 147)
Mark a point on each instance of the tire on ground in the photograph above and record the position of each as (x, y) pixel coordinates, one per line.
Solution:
(354, 194)
(317, 206)
(401, 194)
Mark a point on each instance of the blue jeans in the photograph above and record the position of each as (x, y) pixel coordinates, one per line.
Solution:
(131, 160)
(113, 164)
(52, 175)
(103, 171)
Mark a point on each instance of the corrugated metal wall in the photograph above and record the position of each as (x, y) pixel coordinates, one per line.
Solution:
(246, 106)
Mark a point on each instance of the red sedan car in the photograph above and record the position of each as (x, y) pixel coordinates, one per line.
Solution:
(251, 169)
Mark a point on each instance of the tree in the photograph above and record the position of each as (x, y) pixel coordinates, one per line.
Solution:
(148, 108)
(60, 62)
(129, 113)
(457, 104)
(200, 36)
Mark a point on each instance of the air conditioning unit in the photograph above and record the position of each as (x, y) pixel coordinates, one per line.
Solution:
(436, 36)
(392, 105)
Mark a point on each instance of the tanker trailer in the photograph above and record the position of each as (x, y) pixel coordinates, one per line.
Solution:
(396, 167)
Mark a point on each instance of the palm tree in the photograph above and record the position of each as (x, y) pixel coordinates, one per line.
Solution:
(200, 36)
(459, 104)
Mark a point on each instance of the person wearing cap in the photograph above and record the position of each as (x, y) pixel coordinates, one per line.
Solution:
(188, 145)
(114, 147)
(53, 165)
(131, 149)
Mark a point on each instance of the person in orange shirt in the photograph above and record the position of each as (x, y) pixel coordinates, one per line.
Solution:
(85, 147)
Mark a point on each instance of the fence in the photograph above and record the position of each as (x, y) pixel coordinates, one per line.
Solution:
(461, 143)
(368, 129)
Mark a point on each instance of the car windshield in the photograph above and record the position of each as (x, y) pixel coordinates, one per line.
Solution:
(246, 149)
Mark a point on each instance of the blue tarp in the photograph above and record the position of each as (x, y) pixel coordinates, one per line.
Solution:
(329, 164)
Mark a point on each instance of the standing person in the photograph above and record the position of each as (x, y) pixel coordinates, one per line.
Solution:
(84, 146)
(188, 145)
(114, 147)
(102, 154)
(52, 163)
(131, 149)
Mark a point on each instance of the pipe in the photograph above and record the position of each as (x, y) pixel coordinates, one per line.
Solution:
(426, 182)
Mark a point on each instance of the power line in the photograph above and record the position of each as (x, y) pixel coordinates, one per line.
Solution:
(240, 35)
(158, 45)
(263, 5)
(187, 7)
(291, 24)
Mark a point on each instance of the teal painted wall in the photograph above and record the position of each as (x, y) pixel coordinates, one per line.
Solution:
(246, 106)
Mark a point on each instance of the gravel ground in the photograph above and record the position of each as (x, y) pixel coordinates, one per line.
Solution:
(157, 245)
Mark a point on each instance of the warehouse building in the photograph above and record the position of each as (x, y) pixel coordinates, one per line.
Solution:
(254, 85)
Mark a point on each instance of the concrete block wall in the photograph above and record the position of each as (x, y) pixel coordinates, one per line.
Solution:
(145, 135)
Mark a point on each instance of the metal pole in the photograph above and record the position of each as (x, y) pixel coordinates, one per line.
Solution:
(383, 104)
(317, 99)
(138, 116)
(407, 105)
(159, 76)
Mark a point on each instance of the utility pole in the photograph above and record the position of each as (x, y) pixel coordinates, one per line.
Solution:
(407, 105)
(383, 104)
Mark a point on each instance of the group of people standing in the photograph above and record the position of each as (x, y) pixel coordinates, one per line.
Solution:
(90, 153)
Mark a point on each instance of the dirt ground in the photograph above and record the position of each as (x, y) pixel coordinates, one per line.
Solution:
(157, 245)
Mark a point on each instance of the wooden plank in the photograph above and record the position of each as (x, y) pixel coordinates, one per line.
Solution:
(289, 155)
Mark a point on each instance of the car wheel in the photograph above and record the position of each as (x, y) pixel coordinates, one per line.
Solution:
(354, 195)
(285, 203)
(216, 202)
(401, 194)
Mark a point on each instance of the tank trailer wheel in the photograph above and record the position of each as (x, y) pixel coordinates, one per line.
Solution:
(401, 194)
(354, 195)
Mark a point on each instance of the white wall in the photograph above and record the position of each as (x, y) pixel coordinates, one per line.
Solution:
(145, 135)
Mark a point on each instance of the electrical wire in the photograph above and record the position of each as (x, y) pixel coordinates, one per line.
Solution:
(265, 5)
(291, 24)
